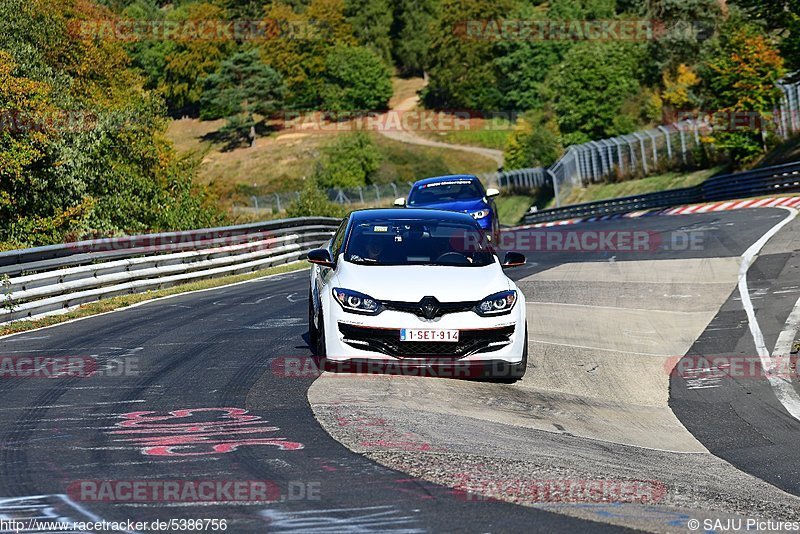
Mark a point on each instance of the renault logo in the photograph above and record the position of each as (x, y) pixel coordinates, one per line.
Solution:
(429, 307)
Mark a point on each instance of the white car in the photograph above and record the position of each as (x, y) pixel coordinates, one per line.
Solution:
(419, 287)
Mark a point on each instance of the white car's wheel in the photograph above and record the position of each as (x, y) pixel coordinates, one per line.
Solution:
(321, 350)
(313, 334)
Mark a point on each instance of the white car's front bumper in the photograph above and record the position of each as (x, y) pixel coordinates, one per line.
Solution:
(350, 336)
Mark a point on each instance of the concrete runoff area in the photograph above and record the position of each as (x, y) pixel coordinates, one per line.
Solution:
(603, 339)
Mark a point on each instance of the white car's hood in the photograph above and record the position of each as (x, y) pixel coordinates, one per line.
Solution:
(410, 283)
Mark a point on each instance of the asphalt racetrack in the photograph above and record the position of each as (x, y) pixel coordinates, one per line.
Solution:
(212, 388)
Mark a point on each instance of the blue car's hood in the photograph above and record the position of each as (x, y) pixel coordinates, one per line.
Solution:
(455, 205)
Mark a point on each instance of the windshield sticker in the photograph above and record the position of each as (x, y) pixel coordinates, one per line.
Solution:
(452, 182)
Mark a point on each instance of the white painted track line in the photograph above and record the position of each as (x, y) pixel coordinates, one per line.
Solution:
(783, 389)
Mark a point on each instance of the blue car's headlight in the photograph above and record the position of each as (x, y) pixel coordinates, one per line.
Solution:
(355, 302)
(480, 214)
(498, 304)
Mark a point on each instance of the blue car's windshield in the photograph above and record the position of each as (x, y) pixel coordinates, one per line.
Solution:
(418, 242)
(445, 191)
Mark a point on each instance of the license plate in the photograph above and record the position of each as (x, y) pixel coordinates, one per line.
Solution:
(424, 334)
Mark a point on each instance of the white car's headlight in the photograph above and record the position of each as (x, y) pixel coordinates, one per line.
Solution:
(497, 304)
(480, 214)
(355, 302)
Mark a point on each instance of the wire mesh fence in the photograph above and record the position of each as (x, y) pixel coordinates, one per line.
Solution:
(650, 151)
(369, 195)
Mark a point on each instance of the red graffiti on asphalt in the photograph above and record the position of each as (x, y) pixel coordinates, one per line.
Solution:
(189, 432)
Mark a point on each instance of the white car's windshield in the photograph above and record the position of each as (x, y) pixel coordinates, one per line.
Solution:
(418, 242)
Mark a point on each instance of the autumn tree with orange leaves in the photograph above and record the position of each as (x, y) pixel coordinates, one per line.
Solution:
(741, 81)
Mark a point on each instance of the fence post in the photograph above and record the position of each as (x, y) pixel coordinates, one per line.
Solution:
(278, 200)
(633, 155)
(394, 188)
(576, 162)
(618, 144)
(377, 192)
(644, 154)
(255, 201)
(556, 191)
(669, 143)
(683, 140)
(360, 194)
(784, 108)
(655, 149)
(601, 151)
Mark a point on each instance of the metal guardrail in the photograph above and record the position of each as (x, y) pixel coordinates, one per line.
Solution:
(51, 278)
(763, 181)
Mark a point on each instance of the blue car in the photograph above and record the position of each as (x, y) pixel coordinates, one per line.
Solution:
(458, 192)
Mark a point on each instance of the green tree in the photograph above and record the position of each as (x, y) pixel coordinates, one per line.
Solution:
(591, 85)
(187, 62)
(411, 31)
(371, 21)
(300, 58)
(313, 202)
(740, 78)
(462, 73)
(349, 161)
(523, 64)
(683, 30)
(242, 87)
(782, 17)
(535, 142)
(88, 152)
(355, 80)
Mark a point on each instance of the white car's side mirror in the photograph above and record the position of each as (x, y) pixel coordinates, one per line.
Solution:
(400, 201)
(492, 192)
